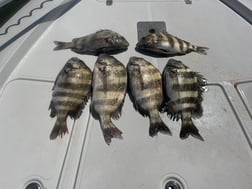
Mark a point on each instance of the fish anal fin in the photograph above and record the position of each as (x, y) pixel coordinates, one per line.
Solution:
(78, 111)
(53, 110)
(118, 112)
(135, 105)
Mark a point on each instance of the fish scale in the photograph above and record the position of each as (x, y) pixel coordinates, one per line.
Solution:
(103, 41)
(109, 88)
(183, 93)
(71, 91)
(163, 43)
(145, 91)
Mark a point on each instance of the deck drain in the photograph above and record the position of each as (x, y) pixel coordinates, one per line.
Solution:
(173, 181)
(34, 184)
(173, 184)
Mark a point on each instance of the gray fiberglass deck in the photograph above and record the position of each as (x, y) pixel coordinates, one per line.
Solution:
(81, 159)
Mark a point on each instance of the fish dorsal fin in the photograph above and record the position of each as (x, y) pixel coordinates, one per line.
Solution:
(201, 87)
(103, 30)
(201, 82)
(57, 77)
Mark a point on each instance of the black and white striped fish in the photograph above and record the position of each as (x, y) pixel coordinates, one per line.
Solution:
(71, 92)
(165, 44)
(145, 91)
(109, 87)
(103, 41)
(183, 89)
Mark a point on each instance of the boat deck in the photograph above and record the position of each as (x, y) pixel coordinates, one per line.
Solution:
(82, 159)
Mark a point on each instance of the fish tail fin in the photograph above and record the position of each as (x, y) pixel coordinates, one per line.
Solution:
(59, 129)
(111, 131)
(201, 50)
(62, 45)
(156, 127)
(188, 128)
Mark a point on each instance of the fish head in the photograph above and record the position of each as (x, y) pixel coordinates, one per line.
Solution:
(153, 44)
(117, 41)
(151, 40)
(104, 60)
(74, 64)
(136, 61)
(175, 65)
(146, 42)
(105, 65)
(135, 65)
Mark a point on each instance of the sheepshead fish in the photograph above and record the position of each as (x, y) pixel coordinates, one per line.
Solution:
(145, 91)
(165, 44)
(109, 88)
(183, 89)
(71, 92)
(103, 41)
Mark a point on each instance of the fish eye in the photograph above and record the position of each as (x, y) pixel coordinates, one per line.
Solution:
(103, 62)
(174, 71)
(69, 65)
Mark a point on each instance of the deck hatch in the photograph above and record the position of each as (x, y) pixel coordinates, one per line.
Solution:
(144, 28)
(245, 91)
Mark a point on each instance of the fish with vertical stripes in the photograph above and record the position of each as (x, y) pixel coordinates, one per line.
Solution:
(109, 87)
(183, 90)
(146, 93)
(71, 92)
(102, 41)
(163, 43)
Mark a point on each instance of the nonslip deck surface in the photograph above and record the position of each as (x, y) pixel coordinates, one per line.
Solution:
(82, 159)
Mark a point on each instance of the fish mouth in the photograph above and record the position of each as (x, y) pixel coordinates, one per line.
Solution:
(140, 45)
(172, 65)
(176, 64)
(133, 60)
(125, 44)
(102, 59)
(73, 64)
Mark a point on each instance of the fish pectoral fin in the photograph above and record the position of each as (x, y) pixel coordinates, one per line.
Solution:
(109, 40)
